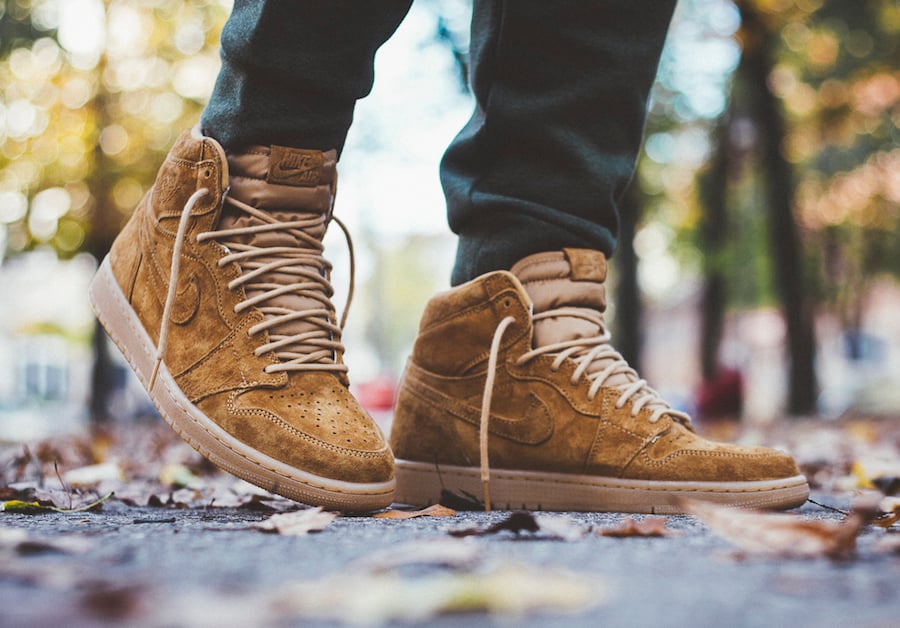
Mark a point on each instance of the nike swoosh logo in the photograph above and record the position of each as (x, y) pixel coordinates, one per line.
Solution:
(187, 301)
(533, 426)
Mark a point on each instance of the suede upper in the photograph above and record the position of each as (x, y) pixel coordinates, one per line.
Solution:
(304, 418)
(542, 415)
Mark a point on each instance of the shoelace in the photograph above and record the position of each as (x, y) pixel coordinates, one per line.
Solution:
(291, 260)
(586, 352)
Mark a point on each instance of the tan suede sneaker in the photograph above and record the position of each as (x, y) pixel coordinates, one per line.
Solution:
(538, 411)
(217, 293)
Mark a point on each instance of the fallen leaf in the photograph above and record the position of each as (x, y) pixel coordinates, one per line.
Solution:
(435, 510)
(648, 527)
(432, 552)
(508, 590)
(890, 512)
(297, 523)
(38, 507)
(21, 542)
(517, 522)
(8, 493)
(781, 535)
(179, 476)
(27, 508)
(887, 484)
(560, 527)
(93, 474)
(878, 472)
(112, 602)
(548, 526)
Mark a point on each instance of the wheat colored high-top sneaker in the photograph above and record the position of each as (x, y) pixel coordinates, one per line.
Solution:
(538, 411)
(217, 293)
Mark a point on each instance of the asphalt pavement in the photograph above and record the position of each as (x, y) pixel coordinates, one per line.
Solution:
(142, 566)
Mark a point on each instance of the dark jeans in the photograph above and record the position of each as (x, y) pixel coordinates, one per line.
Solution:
(561, 92)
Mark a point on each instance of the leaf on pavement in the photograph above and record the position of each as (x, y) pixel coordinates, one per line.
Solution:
(887, 484)
(36, 507)
(560, 527)
(521, 521)
(93, 474)
(442, 553)
(648, 527)
(27, 508)
(508, 590)
(517, 522)
(297, 523)
(21, 542)
(781, 535)
(877, 471)
(179, 476)
(435, 510)
(890, 512)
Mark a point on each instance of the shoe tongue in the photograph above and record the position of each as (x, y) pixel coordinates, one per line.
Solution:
(288, 184)
(571, 279)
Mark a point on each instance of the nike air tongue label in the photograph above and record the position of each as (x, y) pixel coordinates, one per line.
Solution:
(294, 166)
(586, 265)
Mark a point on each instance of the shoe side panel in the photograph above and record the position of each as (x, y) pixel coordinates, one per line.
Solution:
(420, 431)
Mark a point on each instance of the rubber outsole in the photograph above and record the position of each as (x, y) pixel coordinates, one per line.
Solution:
(420, 484)
(203, 434)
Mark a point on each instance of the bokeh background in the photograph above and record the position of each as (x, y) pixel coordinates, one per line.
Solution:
(758, 272)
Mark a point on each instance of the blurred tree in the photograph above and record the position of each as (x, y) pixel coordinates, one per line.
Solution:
(94, 93)
(809, 142)
(757, 64)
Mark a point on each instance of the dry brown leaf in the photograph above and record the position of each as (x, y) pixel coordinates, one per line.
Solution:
(890, 508)
(781, 535)
(435, 510)
(650, 527)
(548, 526)
(297, 523)
(517, 522)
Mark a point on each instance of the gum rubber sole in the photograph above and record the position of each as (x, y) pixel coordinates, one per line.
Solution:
(420, 483)
(203, 434)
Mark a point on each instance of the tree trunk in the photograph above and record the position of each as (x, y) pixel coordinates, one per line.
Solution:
(757, 65)
(714, 232)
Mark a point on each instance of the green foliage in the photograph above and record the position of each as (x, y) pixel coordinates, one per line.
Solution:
(837, 78)
(90, 109)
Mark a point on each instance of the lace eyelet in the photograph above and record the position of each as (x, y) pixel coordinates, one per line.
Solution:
(507, 302)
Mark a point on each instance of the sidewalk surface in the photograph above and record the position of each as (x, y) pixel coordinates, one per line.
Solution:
(187, 562)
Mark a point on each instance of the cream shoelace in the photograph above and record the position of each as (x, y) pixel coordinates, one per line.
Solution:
(586, 352)
(298, 261)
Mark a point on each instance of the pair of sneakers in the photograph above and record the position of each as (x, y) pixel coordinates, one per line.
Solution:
(217, 292)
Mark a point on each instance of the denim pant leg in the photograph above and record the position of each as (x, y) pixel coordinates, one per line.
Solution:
(292, 70)
(561, 92)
